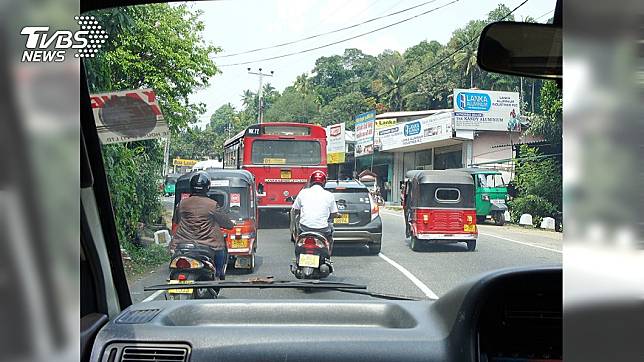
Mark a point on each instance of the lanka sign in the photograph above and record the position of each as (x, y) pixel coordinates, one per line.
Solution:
(486, 110)
(364, 133)
(126, 116)
(183, 162)
(380, 125)
(335, 143)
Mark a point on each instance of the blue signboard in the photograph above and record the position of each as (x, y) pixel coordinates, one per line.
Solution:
(412, 129)
(470, 101)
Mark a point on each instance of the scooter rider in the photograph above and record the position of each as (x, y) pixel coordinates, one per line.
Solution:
(316, 206)
(199, 218)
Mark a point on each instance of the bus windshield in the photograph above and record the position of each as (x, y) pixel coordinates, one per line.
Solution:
(286, 152)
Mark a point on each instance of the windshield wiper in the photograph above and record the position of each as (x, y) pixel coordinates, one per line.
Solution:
(269, 283)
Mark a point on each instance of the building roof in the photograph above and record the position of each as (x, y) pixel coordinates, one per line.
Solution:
(440, 176)
(411, 113)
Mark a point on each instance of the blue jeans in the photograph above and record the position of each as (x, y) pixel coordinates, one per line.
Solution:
(221, 259)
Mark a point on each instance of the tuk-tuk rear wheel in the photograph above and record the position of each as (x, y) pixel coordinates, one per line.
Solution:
(471, 245)
(480, 219)
(415, 244)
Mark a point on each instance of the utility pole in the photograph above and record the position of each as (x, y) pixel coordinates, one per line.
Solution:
(260, 106)
(166, 156)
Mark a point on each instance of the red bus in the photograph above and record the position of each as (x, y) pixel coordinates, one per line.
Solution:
(281, 156)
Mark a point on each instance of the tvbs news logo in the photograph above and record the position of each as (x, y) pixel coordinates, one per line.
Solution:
(44, 45)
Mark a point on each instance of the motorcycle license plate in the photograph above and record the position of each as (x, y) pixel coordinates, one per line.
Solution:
(239, 244)
(309, 260)
(180, 291)
(343, 219)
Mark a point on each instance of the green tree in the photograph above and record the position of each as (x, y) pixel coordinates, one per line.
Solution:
(154, 46)
(293, 106)
(344, 108)
(462, 42)
(222, 119)
(391, 74)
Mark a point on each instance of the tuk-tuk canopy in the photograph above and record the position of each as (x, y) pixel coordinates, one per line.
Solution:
(440, 177)
(477, 170)
(237, 178)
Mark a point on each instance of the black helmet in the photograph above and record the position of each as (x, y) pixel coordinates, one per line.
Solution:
(200, 183)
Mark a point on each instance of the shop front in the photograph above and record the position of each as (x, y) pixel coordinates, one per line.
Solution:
(429, 143)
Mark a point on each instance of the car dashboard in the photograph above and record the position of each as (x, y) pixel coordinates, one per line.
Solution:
(506, 315)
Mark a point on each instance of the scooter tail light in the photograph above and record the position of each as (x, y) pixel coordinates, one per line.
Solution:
(186, 263)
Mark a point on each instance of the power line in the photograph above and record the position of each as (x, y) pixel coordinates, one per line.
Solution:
(448, 55)
(322, 34)
(343, 40)
(546, 13)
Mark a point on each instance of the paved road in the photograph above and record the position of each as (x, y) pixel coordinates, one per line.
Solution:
(397, 270)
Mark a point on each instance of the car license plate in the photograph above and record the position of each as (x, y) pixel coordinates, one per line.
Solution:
(285, 174)
(343, 219)
(181, 291)
(469, 228)
(309, 260)
(239, 244)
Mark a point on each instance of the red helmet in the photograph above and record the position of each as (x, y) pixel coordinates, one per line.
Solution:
(318, 177)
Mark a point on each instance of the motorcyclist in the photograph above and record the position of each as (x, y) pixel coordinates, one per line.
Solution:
(199, 219)
(316, 207)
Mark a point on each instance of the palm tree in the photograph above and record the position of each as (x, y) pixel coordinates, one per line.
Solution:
(248, 98)
(303, 84)
(393, 80)
(465, 41)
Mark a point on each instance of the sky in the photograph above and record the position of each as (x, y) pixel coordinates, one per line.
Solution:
(241, 25)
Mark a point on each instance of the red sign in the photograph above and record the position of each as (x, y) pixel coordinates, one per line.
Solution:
(235, 200)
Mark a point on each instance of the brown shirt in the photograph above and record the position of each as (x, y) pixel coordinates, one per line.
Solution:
(198, 219)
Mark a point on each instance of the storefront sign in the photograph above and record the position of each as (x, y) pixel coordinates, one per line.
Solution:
(364, 133)
(335, 145)
(486, 110)
(380, 125)
(433, 128)
(127, 116)
(184, 162)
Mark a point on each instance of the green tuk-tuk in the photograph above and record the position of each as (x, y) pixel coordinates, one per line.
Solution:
(491, 194)
(169, 184)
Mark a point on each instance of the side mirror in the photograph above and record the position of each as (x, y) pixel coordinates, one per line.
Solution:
(523, 49)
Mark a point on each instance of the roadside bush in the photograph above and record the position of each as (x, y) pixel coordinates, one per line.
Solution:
(144, 258)
(534, 205)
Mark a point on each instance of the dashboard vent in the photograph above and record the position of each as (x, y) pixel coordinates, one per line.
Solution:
(156, 353)
(131, 352)
(138, 316)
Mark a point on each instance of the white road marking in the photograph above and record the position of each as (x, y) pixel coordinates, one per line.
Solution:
(153, 296)
(521, 242)
(425, 289)
(498, 237)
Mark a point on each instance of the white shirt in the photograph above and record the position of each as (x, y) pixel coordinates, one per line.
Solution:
(315, 205)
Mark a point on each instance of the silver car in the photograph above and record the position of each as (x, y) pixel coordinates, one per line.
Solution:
(359, 222)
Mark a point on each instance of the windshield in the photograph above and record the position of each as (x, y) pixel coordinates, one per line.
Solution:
(490, 180)
(170, 83)
(283, 152)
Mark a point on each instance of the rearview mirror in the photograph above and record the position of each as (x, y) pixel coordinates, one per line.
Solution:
(524, 49)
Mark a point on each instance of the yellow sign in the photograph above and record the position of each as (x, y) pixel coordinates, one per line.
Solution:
(386, 122)
(335, 157)
(274, 161)
(183, 162)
